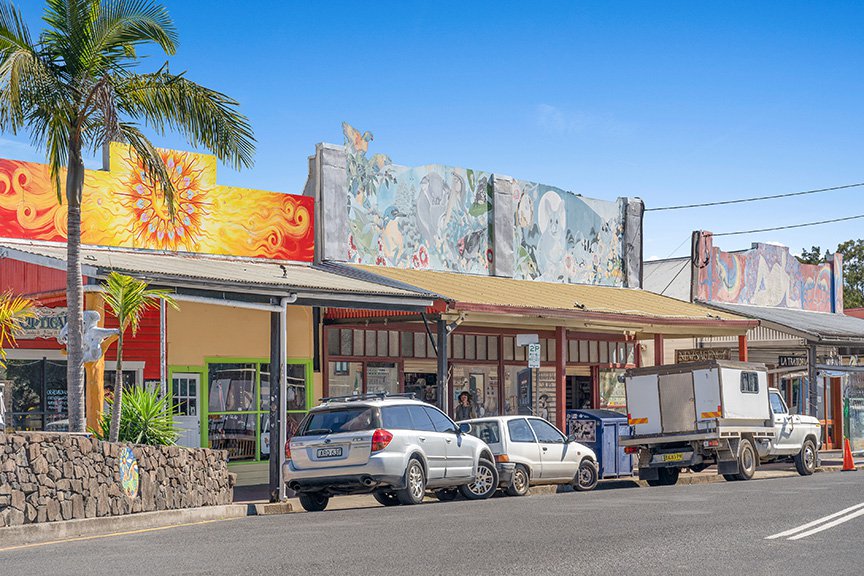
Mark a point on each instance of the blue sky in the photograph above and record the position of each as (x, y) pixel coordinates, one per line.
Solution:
(674, 102)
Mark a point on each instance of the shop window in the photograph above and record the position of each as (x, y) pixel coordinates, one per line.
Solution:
(393, 348)
(584, 356)
(550, 350)
(295, 395)
(604, 352)
(348, 381)
(357, 342)
(481, 383)
(35, 395)
(420, 345)
(382, 377)
(517, 390)
(612, 395)
(407, 345)
(572, 351)
(508, 348)
(232, 387)
(482, 351)
(346, 338)
(382, 342)
(458, 346)
(492, 347)
(594, 352)
(235, 433)
(470, 347)
(631, 353)
(423, 385)
(333, 342)
(371, 344)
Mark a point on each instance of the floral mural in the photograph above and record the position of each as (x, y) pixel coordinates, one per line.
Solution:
(426, 217)
(563, 237)
(123, 207)
(766, 275)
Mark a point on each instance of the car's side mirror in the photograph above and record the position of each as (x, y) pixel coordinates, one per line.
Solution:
(464, 428)
(571, 438)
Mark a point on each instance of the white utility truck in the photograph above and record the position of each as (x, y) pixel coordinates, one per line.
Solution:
(719, 412)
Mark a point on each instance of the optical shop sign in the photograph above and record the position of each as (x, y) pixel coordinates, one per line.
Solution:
(46, 324)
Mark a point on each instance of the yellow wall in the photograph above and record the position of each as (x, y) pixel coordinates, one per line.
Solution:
(197, 331)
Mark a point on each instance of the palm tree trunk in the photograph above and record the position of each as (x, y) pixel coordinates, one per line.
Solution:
(117, 406)
(74, 292)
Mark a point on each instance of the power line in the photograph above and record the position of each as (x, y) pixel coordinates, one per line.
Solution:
(656, 268)
(789, 226)
(754, 199)
(684, 266)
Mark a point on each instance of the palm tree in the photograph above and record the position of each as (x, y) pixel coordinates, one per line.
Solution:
(77, 88)
(13, 311)
(128, 299)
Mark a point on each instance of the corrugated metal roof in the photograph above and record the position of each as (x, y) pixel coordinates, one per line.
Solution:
(670, 277)
(197, 269)
(822, 326)
(477, 292)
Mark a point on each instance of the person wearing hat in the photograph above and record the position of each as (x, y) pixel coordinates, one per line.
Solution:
(465, 409)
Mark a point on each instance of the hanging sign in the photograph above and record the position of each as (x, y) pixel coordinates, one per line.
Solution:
(702, 354)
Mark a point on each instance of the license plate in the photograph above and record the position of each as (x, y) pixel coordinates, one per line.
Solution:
(676, 457)
(329, 452)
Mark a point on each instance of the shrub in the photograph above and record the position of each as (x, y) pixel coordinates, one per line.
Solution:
(145, 418)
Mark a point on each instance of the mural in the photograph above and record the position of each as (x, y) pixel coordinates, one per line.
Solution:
(563, 237)
(426, 217)
(441, 218)
(123, 207)
(765, 275)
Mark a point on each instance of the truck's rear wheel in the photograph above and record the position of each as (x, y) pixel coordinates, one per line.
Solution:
(747, 460)
(666, 477)
(805, 461)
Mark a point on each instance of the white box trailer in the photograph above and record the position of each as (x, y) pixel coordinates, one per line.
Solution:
(695, 414)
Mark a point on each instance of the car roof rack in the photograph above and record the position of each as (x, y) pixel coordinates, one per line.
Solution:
(367, 396)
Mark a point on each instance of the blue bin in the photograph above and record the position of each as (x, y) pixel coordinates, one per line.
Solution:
(600, 430)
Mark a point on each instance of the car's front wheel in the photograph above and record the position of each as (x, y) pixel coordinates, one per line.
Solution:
(805, 461)
(485, 482)
(415, 484)
(314, 502)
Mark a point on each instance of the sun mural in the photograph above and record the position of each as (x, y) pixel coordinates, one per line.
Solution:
(123, 206)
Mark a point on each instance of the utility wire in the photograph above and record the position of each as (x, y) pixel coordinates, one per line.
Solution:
(684, 266)
(754, 199)
(789, 226)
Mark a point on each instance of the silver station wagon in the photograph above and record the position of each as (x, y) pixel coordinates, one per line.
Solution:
(391, 446)
(529, 450)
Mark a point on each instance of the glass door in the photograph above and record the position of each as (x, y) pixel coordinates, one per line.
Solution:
(185, 388)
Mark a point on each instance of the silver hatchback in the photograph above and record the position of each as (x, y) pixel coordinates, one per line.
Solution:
(391, 446)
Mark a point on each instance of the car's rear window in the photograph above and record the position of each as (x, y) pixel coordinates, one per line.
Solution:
(341, 420)
(486, 431)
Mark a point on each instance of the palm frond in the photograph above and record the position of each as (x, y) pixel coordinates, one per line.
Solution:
(207, 117)
(150, 160)
(129, 299)
(121, 25)
(14, 310)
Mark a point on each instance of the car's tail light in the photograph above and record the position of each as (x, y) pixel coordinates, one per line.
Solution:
(380, 439)
(502, 458)
(631, 450)
(711, 443)
(288, 450)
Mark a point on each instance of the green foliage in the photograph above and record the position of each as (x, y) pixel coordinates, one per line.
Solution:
(853, 273)
(145, 418)
(853, 269)
(13, 311)
(813, 256)
(129, 298)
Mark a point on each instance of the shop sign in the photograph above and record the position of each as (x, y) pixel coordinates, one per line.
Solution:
(702, 354)
(534, 356)
(791, 361)
(46, 324)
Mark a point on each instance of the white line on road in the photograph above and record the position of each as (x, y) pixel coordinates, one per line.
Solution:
(804, 527)
(828, 525)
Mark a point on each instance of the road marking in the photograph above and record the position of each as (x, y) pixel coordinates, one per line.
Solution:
(113, 534)
(824, 519)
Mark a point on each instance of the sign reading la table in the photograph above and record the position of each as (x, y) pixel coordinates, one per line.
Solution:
(534, 356)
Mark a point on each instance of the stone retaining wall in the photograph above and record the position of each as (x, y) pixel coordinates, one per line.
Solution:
(48, 477)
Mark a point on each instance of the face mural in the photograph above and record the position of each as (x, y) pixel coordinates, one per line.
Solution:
(441, 218)
(562, 237)
(428, 217)
(765, 275)
(124, 207)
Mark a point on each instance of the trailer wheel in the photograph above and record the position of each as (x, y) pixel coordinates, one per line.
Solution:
(666, 477)
(747, 460)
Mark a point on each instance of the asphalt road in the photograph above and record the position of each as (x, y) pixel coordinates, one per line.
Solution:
(702, 529)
